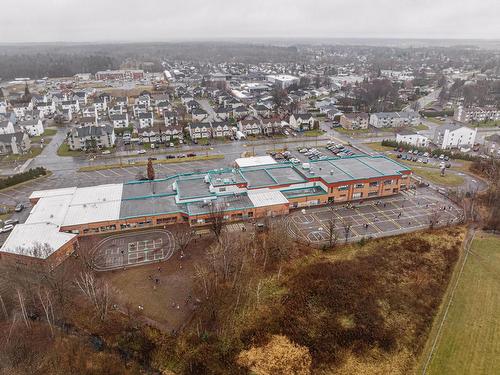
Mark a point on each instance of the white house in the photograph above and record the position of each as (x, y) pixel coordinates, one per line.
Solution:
(454, 136)
(33, 127)
(199, 115)
(146, 119)
(250, 127)
(393, 119)
(47, 108)
(412, 138)
(119, 120)
(301, 121)
(21, 108)
(221, 129)
(72, 105)
(6, 127)
(199, 130)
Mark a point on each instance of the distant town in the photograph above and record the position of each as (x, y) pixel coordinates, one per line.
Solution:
(138, 165)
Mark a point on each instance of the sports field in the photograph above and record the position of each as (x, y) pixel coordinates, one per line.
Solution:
(470, 338)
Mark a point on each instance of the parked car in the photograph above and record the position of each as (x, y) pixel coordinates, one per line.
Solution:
(19, 207)
(140, 152)
(399, 156)
(11, 222)
(170, 157)
(7, 228)
(191, 155)
(106, 152)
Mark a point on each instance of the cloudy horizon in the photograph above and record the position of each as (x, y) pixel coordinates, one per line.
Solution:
(30, 21)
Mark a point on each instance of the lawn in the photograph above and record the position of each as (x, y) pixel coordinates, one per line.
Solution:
(420, 127)
(313, 133)
(470, 337)
(435, 120)
(143, 163)
(486, 124)
(32, 153)
(376, 146)
(435, 177)
(64, 150)
(47, 134)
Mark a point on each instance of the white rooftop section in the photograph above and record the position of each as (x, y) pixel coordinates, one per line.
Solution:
(266, 197)
(38, 240)
(52, 192)
(252, 161)
(50, 210)
(62, 207)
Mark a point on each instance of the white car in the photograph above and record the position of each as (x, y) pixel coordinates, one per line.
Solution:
(106, 152)
(140, 152)
(7, 228)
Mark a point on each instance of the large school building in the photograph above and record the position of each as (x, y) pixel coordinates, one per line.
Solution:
(59, 217)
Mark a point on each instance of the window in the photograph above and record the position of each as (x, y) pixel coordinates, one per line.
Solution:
(359, 186)
(373, 193)
(374, 184)
(222, 189)
(387, 182)
(343, 187)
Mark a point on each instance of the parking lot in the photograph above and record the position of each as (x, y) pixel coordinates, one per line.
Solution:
(133, 249)
(388, 216)
(305, 154)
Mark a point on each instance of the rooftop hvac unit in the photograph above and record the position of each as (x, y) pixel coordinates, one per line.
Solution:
(331, 172)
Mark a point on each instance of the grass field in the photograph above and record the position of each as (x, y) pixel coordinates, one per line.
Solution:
(420, 127)
(470, 338)
(32, 153)
(313, 133)
(64, 150)
(143, 163)
(435, 176)
(376, 146)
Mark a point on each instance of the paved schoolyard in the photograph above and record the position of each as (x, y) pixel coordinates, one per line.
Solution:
(376, 218)
(132, 249)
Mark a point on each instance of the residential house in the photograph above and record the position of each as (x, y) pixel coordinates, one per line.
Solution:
(122, 101)
(48, 108)
(240, 112)
(477, 114)
(116, 110)
(14, 143)
(81, 97)
(261, 110)
(174, 132)
(146, 119)
(72, 105)
(250, 127)
(119, 120)
(271, 126)
(223, 113)
(221, 129)
(138, 109)
(34, 127)
(143, 100)
(394, 119)
(161, 107)
(199, 130)
(199, 115)
(100, 104)
(170, 118)
(90, 120)
(454, 136)
(412, 138)
(89, 112)
(91, 137)
(20, 108)
(356, 120)
(301, 121)
(6, 127)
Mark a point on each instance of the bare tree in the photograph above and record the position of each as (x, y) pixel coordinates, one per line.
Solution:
(434, 218)
(332, 234)
(346, 225)
(46, 302)
(97, 292)
(216, 218)
(183, 237)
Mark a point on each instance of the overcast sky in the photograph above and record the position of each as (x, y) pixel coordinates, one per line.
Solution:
(165, 20)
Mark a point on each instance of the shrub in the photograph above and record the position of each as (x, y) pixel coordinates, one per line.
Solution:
(22, 177)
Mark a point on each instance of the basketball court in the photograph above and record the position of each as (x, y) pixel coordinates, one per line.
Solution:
(125, 250)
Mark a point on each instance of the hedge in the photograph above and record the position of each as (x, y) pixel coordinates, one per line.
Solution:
(22, 177)
(447, 112)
